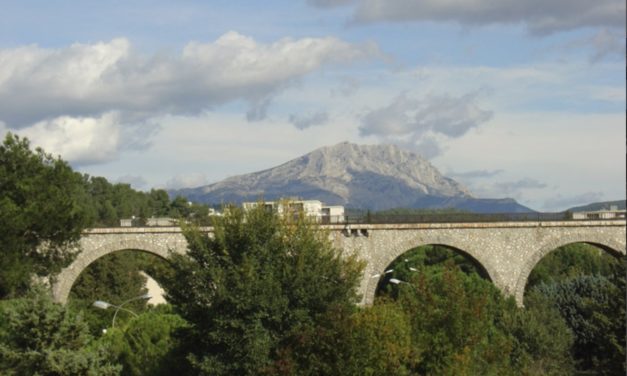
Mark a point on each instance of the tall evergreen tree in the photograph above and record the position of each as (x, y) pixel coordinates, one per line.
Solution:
(39, 337)
(43, 209)
(258, 283)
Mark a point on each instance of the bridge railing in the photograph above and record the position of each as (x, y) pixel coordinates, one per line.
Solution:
(448, 217)
(471, 217)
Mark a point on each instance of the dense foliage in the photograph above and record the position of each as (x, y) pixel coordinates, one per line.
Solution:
(461, 324)
(425, 258)
(146, 345)
(43, 209)
(109, 203)
(587, 286)
(44, 206)
(254, 287)
(39, 337)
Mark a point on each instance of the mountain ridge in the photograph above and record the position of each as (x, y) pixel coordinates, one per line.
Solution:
(603, 205)
(375, 177)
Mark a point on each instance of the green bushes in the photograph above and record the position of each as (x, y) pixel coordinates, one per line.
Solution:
(39, 337)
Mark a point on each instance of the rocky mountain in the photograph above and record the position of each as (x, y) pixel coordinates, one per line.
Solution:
(374, 177)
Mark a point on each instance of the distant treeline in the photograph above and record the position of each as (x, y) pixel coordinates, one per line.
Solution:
(108, 203)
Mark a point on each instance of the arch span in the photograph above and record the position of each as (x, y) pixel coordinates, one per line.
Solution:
(65, 280)
(611, 246)
(465, 250)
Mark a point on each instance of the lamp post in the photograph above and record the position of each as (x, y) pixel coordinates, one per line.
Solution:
(105, 305)
(397, 282)
(384, 273)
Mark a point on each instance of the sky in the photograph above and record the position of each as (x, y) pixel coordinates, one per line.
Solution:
(521, 99)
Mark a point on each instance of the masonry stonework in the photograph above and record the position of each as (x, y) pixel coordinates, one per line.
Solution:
(507, 251)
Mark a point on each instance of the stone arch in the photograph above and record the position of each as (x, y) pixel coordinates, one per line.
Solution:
(612, 246)
(66, 278)
(398, 250)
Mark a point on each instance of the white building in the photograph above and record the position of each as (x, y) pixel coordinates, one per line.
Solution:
(162, 221)
(613, 213)
(312, 208)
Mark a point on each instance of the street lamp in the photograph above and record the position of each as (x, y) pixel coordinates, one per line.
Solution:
(397, 282)
(384, 273)
(105, 305)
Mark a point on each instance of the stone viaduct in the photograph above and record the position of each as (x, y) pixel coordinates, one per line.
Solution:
(507, 251)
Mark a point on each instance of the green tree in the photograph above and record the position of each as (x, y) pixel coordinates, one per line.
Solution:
(569, 261)
(39, 337)
(429, 257)
(587, 287)
(594, 309)
(542, 339)
(453, 330)
(254, 287)
(160, 202)
(43, 209)
(179, 207)
(146, 344)
(462, 325)
(379, 341)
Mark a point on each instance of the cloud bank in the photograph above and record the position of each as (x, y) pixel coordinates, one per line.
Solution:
(423, 124)
(539, 16)
(76, 100)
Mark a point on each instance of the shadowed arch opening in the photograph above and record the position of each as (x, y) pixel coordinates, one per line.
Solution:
(609, 249)
(64, 281)
(118, 277)
(425, 259)
(572, 260)
(584, 283)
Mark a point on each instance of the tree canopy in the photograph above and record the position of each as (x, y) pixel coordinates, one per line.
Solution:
(587, 287)
(256, 285)
(39, 337)
(43, 209)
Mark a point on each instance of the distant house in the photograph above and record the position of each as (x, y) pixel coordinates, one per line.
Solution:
(126, 222)
(161, 221)
(311, 208)
(612, 213)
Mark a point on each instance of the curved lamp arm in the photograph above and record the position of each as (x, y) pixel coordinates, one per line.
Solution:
(104, 305)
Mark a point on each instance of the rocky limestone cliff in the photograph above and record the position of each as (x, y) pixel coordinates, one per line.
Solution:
(374, 177)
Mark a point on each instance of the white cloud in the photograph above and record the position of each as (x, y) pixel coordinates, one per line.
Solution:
(516, 187)
(560, 202)
(423, 124)
(90, 79)
(604, 43)
(81, 140)
(89, 101)
(347, 86)
(569, 152)
(475, 174)
(540, 16)
(191, 180)
(136, 181)
(309, 120)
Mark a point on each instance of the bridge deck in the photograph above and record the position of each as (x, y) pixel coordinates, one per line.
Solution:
(385, 226)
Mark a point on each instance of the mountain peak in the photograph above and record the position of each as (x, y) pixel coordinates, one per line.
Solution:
(362, 176)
